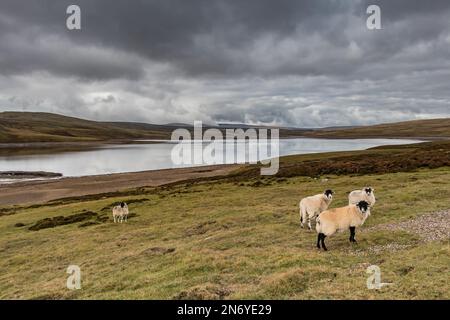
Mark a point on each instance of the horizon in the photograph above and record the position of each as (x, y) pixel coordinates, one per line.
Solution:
(220, 124)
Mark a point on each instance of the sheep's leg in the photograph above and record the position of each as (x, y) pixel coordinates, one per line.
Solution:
(352, 234)
(323, 242)
(318, 240)
(302, 216)
(309, 221)
(114, 217)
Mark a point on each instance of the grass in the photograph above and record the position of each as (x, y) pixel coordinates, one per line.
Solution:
(231, 239)
(385, 159)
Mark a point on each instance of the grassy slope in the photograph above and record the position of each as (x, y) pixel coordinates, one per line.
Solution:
(47, 127)
(234, 239)
(23, 127)
(416, 128)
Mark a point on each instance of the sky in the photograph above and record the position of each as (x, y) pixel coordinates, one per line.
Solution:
(292, 63)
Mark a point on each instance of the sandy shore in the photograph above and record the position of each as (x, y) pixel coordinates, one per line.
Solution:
(34, 192)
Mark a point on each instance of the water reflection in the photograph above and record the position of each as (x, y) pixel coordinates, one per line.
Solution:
(153, 156)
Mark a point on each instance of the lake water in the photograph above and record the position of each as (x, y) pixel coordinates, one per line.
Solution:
(153, 156)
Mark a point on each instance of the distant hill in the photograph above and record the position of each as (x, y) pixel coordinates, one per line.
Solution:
(432, 128)
(23, 127)
(18, 127)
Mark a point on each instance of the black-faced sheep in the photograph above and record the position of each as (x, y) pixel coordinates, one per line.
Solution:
(310, 207)
(120, 212)
(339, 219)
(366, 194)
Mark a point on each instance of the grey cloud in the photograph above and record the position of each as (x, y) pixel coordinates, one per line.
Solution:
(228, 37)
(299, 63)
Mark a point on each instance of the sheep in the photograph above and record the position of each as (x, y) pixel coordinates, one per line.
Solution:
(310, 207)
(366, 194)
(339, 219)
(120, 212)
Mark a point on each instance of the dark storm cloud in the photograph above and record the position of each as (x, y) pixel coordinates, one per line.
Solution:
(197, 36)
(286, 62)
(218, 38)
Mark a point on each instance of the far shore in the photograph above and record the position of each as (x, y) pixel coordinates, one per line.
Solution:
(36, 148)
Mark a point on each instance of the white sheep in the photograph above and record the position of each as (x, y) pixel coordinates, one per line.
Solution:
(120, 212)
(310, 207)
(340, 219)
(367, 194)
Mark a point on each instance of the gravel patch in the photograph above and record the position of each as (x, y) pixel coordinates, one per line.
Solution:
(434, 226)
(391, 247)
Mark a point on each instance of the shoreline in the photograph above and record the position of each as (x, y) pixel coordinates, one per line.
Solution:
(41, 191)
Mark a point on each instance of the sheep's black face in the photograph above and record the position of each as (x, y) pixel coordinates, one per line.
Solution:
(329, 193)
(363, 206)
(122, 204)
(368, 191)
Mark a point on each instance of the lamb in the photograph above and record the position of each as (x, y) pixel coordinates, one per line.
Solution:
(120, 212)
(366, 194)
(310, 207)
(339, 219)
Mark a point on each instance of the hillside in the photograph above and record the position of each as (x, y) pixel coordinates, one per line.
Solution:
(433, 128)
(22, 127)
(47, 127)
